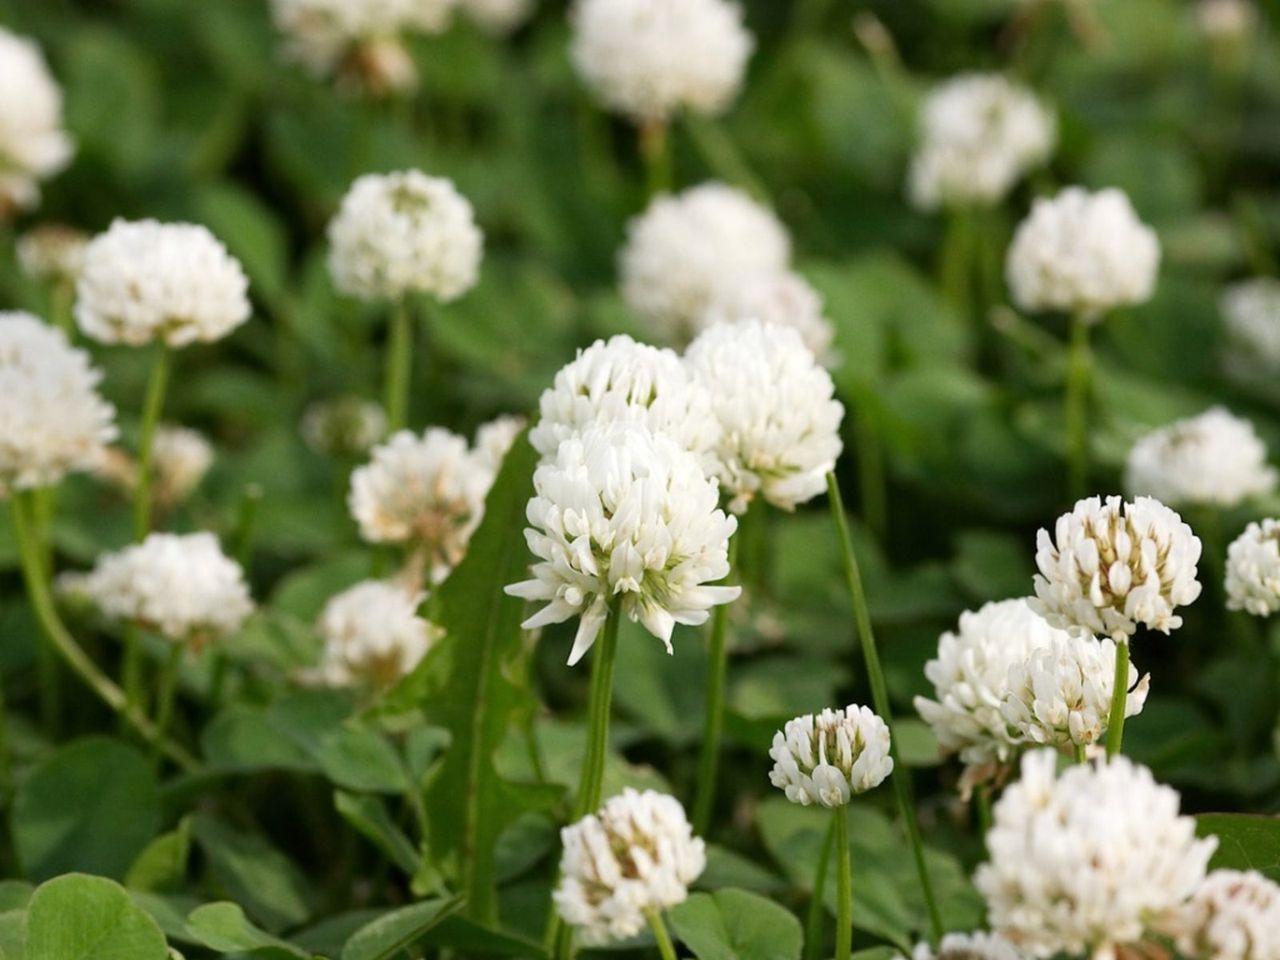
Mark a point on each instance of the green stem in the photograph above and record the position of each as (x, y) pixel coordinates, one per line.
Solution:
(871, 479)
(1079, 367)
(246, 519)
(399, 362)
(62, 297)
(844, 885)
(166, 689)
(880, 699)
(605, 654)
(1081, 753)
(43, 508)
(813, 935)
(721, 154)
(982, 801)
(713, 724)
(665, 947)
(1119, 697)
(955, 264)
(655, 149)
(157, 384)
(51, 624)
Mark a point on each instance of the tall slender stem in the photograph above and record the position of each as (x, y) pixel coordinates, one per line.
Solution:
(813, 932)
(166, 689)
(713, 724)
(157, 384)
(62, 298)
(399, 365)
(665, 947)
(1119, 698)
(844, 885)
(871, 480)
(880, 698)
(1079, 367)
(982, 801)
(955, 264)
(604, 656)
(51, 624)
(655, 149)
(721, 154)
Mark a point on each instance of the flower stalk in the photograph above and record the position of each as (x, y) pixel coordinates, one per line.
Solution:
(666, 948)
(1119, 698)
(591, 786)
(655, 149)
(1079, 371)
(399, 364)
(844, 884)
(153, 405)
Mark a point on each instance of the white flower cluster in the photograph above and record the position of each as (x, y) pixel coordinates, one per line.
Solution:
(1082, 253)
(498, 16)
(780, 297)
(175, 282)
(373, 635)
(494, 440)
(648, 58)
(52, 253)
(1233, 915)
(52, 419)
(637, 854)
(180, 586)
(1251, 314)
(1112, 566)
(1084, 861)
(980, 134)
(1226, 22)
(33, 145)
(1214, 458)
(426, 491)
(683, 249)
(344, 426)
(826, 759)
(967, 946)
(779, 419)
(622, 514)
(401, 233)
(1253, 569)
(180, 457)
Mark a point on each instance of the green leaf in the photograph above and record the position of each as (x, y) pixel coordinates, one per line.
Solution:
(91, 806)
(398, 930)
(251, 232)
(224, 927)
(255, 874)
(1245, 841)
(737, 925)
(78, 917)
(370, 816)
(13, 934)
(163, 864)
(464, 686)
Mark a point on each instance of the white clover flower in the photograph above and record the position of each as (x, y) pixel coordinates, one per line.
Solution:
(827, 758)
(426, 491)
(779, 419)
(1060, 696)
(1213, 459)
(498, 16)
(967, 946)
(1253, 570)
(373, 635)
(52, 419)
(782, 297)
(494, 440)
(637, 854)
(1233, 915)
(1113, 566)
(344, 426)
(1083, 862)
(52, 253)
(1251, 314)
(970, 678)
(145, 280)
(1226, 21)
(625, 515)
(648, 58)
(1082, 253)
(683, 248)
(624, 380)
(180, 458)
(181, 587)
(401, 233)
(33, 145)
(980, 134)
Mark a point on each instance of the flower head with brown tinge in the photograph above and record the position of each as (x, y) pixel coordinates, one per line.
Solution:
(828, 757)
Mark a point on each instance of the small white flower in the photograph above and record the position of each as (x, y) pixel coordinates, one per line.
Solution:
(980, 134)
(625, 513)
(494, 440)
(782, 297)
(967, 946)
(181, 587)
(1251, 313)
(52, 253)
(637, 854)
(648, 58)
(498, 16)
(1226, 21)
(401, 233)
(1061, 695)
(779, 419)
(1083, 862)
(826, 759)
(683, 248)
(52, 418)
(1253, 570)
(1214, 459)
(175, 282)
(1113, 566)
(1233, 915)
(373, 635)
(625, 380)
(33, 145)
(180, 457)
(344, 426)
(1082, 253)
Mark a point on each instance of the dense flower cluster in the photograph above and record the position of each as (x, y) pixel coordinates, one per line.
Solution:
(624, 515)
(780, 297)
(980, 134)
(33, 145)
(498, 16)
(967, 946)
(373, 635)
(52, 253)
(1233, 915)
(52, 419)
(1083, 862)
(401, 233)
(180, 457)
(1251, 313)
(647, 58)
(343, 427)
(1112, 566)
(1253, 569)
(637, 854)
(827, 758)
(145, 281)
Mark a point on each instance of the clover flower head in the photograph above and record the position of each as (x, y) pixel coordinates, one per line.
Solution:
(373, 635)
(52, 253)
(344, 426)
(967, 946)
(1233, 915)
(780, 297)
(33, 144)
(827, 758)
(1253, 570)
(1251, 316)
(498, 16)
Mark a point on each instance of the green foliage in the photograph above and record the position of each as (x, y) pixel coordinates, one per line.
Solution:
(78, 917)
(737, 925)
(1244, 842)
